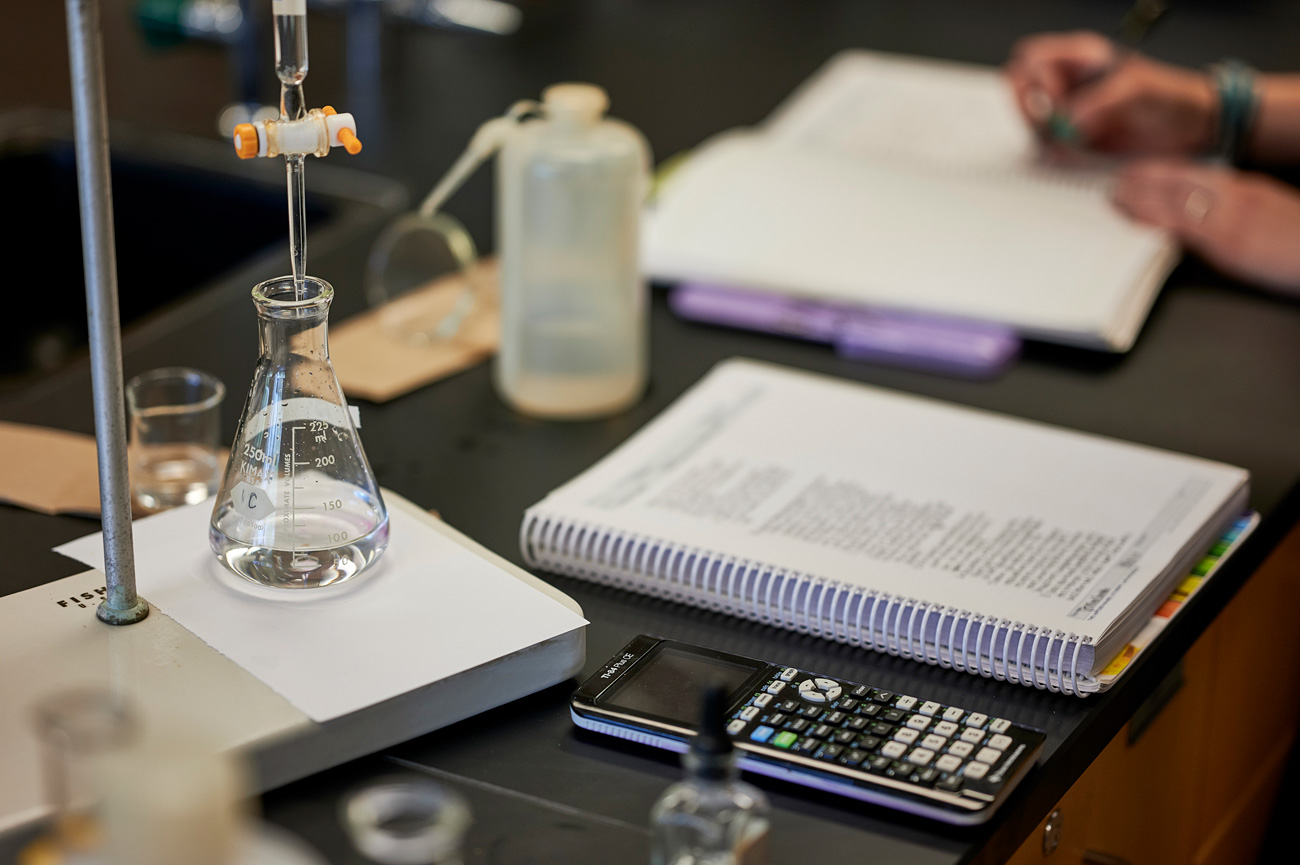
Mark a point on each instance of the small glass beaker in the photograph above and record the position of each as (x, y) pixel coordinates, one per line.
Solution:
(407, 820)
(299, 506)
(175, 430)
(77, 729)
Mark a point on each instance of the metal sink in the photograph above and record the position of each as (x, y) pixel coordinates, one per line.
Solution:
(188, 215)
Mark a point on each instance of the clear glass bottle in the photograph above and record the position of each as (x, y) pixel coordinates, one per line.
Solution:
(299, 506)
(573, 302)
(711, 817)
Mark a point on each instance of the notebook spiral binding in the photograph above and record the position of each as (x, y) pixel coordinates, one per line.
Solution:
(806, 603)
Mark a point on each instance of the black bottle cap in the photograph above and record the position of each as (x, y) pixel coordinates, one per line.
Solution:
(711, 748)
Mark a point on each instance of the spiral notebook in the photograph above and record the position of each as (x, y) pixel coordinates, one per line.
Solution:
(910, 184)
(946, 534)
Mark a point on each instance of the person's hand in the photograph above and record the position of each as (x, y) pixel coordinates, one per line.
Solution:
(1110, 99)
(1245, 224)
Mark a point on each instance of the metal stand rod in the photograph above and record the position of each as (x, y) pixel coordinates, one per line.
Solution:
(121, 606)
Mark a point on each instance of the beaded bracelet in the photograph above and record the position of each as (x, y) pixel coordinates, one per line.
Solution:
(1238, 103)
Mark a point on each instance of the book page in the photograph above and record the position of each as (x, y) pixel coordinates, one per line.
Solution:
(903, 495)
(915, 109)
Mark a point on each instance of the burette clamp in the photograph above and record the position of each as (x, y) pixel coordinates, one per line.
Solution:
(316, 133)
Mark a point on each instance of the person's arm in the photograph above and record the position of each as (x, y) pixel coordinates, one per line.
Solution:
(1274, 137)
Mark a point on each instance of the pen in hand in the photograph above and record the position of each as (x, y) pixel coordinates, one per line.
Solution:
(1055, 124)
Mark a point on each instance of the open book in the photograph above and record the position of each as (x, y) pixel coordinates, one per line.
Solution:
(941, 533)
(911, 185)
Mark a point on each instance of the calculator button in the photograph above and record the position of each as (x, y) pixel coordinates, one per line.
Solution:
(762, 734)
(1000, 742)
(975, 719)
(989, 755)
(882, 696)
(927, 776)
(952, 713)
(946, 728)
(1000, 725)
(933, 742)
(948, 763)
(853, 757)
(749, 713)
(798, 725)
(789, 706)
(975, 771)
(905, 703)
(868, 743)
(776, 687)
(844, 737)
(906, 735)
(970, 734)
(830, 752)
(856, 723)
(784, 739)
(735, 726)
(921, 756)
(869, 709)
(848, 704)
(918, 722)
(807, 745)
(813, 696)
(899, 769)
(880, 728)
(835, 718)
(788, 673)
(826, 684)
(892, 716)
(763, 700)
(812, 713)
(893, 749)
(860, 691)
(929, 708)
(961, 749)
(877, 764)
(951, 784)
(778, 719)
(821, 731)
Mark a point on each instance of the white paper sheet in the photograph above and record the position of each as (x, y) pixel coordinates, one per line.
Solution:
(429, 610)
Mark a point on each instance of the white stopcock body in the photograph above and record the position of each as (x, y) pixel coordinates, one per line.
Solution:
(573, 302)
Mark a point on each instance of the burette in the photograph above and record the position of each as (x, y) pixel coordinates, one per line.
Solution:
(291, 69)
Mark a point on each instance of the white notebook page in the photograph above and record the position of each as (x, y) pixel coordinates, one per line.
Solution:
(914, 185)
(981, 512)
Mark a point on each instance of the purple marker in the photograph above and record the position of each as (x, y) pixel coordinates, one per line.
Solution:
(963, 348)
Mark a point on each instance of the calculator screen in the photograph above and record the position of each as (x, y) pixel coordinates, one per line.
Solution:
(668, 684)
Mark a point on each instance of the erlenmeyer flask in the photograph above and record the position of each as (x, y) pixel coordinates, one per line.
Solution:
(299, 506)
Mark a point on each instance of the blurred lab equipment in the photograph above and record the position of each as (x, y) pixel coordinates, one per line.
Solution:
(76, 730)
(573, 301)
(175, 416)
(711, 817)
(299, 506)
(406, 820)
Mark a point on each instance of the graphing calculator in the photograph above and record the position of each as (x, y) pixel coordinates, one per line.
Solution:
(895, 750)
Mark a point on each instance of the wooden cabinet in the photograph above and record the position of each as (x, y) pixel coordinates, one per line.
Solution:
(1197, 785)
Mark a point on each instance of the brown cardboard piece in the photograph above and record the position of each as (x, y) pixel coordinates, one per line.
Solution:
(48, 470)
(380, 354)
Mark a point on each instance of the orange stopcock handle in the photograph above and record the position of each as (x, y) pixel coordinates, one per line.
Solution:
(282, 137)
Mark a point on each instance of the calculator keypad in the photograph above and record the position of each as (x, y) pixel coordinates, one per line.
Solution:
(878, 732)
